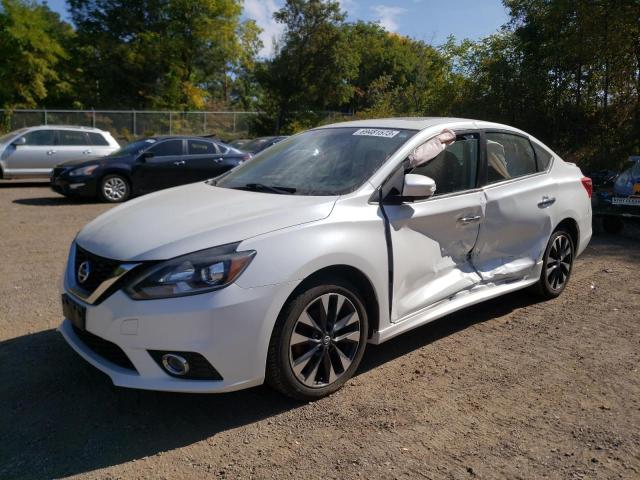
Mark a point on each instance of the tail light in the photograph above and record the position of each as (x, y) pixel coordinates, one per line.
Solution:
(588, 186)
(245, 157)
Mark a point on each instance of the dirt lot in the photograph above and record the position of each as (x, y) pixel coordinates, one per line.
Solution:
(508, 389)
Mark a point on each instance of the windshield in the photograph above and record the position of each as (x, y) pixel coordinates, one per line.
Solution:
(133, 148)
(328, 161)
(5, 138)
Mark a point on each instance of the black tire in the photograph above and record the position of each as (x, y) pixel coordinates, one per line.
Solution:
(330, 355)
(556, 266)
(114, 188)
(613, 225)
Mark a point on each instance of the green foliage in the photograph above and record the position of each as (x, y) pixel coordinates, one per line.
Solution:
(32, 42)
(567, 71)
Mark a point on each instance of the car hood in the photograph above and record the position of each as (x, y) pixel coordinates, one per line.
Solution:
(186, 219)
(85, 162)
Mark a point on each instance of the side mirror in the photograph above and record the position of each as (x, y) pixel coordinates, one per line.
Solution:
(19, 141)
(145, 155)
(418, 187)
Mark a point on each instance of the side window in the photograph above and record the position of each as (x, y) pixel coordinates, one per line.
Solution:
(41, 138)
(201, 147)
(455, 169)
(165, 149)
(71, 138)
(508, 156)
(543, 157)
(97, 139)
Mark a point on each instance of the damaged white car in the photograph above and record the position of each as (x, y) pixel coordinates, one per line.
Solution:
(284, 268)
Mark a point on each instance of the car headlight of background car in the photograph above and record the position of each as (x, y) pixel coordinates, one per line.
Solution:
(191, 274)
(83, 171)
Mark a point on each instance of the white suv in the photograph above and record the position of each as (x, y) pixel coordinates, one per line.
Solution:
(34, 151)
(286, 266)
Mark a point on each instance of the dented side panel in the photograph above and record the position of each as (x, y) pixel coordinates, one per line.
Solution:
(518, 221)
(431, 247)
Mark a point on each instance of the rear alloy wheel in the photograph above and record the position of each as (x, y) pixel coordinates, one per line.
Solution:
(557, 265)
(318, 342)
(114, 189)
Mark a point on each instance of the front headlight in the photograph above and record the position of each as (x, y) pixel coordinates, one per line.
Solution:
(198, 272)
(83, 171)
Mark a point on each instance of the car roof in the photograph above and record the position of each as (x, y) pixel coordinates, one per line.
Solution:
(66, 127)
(418, 123)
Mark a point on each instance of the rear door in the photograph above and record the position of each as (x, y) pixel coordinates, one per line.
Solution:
(204, 160)
(520, 202)
(432, 239)
(72, 145)
(36, 157)
(166, 168)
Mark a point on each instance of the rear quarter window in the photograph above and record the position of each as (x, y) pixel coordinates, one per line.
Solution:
(97, 139)
(543, 156)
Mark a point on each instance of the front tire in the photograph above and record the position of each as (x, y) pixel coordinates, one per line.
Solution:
(557, 265)
(318, 341)
(114, 188)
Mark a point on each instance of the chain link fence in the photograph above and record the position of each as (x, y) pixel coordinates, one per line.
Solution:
(126, 125)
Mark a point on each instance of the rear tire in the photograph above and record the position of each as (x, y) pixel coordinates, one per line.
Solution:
(556, 266)
(318, 341)
(114, 188)
(613, 225)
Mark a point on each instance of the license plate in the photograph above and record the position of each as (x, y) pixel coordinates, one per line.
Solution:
(74, 312)
(625, 201)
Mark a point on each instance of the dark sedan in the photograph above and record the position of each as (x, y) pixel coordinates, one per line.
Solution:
(259, 144)
(145, 166)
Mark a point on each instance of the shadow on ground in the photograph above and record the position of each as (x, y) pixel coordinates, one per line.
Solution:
(61, 417)
(52, 201)
(23, 184)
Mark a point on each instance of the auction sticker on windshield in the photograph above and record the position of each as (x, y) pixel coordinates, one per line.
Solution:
(376, 132)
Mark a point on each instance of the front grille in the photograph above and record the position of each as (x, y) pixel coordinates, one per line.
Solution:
(100, 269)
(107, 350)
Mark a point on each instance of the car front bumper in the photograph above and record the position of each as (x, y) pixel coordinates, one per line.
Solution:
(80, 186)
(230, 328)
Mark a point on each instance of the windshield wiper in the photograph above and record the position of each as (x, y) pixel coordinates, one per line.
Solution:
(260, 187)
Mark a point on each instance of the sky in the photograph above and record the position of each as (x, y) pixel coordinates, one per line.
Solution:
(429, 20)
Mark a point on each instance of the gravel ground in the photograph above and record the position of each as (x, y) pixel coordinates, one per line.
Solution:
(507, 389)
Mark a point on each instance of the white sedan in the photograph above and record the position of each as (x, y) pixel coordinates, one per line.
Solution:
(283, 269)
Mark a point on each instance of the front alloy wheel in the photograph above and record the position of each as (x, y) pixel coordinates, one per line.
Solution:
(317, 342)
(114, 189)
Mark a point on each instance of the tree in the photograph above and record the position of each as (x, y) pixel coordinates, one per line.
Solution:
(32, 49)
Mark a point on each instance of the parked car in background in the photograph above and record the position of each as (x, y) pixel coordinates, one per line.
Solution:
(34, 151)
(239, 143)
(286, 267)
(258, 144)
(145, 166)
(618, 202)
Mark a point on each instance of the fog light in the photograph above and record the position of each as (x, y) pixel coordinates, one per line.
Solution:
(175, 364)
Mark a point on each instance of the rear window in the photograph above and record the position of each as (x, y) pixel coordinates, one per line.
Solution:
(71, 138)
(509, 156)
(97, 139)
(201, 147)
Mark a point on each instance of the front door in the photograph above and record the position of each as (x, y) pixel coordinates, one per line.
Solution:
(164, 169)
(35, 157)
(432, 239)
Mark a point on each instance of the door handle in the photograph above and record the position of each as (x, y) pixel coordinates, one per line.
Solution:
(180, 162)
(86, 152)
(217, 160)
(469, 219)
(51, 152)
(546, 201)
